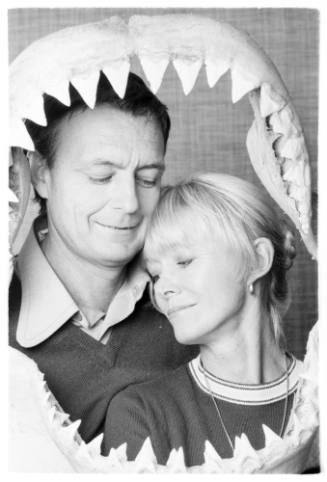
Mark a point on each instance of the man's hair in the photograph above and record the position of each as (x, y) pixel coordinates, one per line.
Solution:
(218, 205)
(138, 101)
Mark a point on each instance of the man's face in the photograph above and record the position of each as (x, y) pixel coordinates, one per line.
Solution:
(104, 184)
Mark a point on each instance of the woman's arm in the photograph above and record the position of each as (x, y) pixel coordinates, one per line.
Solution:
(126, 421)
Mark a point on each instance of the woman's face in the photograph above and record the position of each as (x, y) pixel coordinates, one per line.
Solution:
(198, 288)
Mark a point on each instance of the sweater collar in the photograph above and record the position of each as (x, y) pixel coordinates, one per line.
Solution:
(246, 394)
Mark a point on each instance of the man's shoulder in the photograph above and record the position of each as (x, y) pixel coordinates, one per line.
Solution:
(147, 337)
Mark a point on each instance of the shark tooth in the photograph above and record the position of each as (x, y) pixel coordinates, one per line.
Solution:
(295, 173)
(245, 446)
(94, 446)
(117, 74)
(12, 197)
(146, 460)
(51, 413)
(175, 462)
(62, 417)
(241, 84)
(70, 432)
(247, 457)
(82, 454)
(46, 397)
(117, 456)
(87, 85)
(270, 101)
(154, 70)
(295, 192)
(121, 452)
(60, 90)
(187, 71)
(307, 175)
(215, 70)
(40, 377)
(19, 137)
(33, 110)
(285, 121)
(293, 148)
(211, 457)
(270, 436)
(296, 430)
(113, 458)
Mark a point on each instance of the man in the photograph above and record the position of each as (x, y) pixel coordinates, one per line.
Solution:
(77, 300)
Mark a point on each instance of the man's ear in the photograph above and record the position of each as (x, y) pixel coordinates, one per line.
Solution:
(265, 256)
(39, 173)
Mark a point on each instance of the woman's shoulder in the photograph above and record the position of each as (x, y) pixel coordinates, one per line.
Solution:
(175, 384)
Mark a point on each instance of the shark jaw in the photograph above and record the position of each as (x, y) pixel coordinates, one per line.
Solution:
(79, 53)
(37, 420)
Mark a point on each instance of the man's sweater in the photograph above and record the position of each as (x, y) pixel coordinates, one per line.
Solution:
(84, 375)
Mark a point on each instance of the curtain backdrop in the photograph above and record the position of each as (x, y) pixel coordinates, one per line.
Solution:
(208, 131)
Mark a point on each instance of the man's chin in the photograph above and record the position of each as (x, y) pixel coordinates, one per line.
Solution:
(118, 255)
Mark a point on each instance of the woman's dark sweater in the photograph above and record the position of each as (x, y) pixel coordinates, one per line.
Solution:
(175, 411)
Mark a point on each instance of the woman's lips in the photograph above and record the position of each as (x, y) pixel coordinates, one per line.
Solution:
(176, 309)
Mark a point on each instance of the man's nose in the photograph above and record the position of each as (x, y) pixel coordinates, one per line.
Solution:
(126, 197)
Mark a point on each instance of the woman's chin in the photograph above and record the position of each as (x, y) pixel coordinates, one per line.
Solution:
(185, 338)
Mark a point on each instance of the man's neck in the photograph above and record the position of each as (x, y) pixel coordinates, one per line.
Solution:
(91, 286)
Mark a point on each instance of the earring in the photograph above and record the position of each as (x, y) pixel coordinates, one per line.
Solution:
(251, 289)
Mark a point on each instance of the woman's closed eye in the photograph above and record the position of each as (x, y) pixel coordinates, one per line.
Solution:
(185, 262)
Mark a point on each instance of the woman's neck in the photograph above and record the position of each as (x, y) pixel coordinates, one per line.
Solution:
(245, 350)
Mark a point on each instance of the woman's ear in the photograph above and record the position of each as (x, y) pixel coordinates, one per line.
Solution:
(265, 256)
(39, 173)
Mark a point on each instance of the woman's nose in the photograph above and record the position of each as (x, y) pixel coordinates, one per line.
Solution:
(167, 288)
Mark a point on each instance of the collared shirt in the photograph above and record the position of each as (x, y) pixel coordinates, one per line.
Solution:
(47, 305)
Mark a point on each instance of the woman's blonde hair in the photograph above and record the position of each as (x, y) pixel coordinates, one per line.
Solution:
(219, 205)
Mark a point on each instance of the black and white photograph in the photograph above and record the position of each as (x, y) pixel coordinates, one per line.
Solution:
(164, 216)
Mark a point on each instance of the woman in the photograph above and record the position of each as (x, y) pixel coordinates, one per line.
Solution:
(217, 254)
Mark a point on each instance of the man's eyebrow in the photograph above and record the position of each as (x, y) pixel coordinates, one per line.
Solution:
(105, 162)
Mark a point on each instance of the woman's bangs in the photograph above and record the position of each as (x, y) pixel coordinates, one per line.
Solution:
(173, 227)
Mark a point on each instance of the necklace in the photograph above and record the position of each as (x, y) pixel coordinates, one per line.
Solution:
(220, 418)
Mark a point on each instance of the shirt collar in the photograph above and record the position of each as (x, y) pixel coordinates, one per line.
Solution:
(46, 304)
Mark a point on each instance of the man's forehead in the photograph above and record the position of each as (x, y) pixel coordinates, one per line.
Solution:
(109, 116)
(107, 134)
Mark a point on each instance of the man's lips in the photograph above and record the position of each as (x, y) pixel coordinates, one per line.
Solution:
(117, 227)
(176, 309)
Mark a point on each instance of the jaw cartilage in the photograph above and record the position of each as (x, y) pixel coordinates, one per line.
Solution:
(189, 42)
(279, 156)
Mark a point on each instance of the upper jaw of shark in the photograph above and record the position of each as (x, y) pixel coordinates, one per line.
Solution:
(76, 55)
